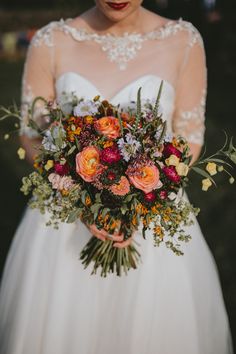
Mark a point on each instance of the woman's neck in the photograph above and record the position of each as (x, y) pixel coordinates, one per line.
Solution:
(135, 22)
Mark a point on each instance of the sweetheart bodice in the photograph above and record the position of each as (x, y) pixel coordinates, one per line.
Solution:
(70, 82)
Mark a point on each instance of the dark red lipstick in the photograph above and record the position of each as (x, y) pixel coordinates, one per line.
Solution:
(118, 6)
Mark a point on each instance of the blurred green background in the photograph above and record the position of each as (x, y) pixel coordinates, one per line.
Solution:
(218, 212)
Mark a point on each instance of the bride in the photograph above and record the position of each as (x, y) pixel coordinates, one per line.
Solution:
(169, 305)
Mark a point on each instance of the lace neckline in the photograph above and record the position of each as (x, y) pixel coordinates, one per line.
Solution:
(93, 34)
(119, 49)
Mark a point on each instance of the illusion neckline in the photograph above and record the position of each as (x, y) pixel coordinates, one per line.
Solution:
(94, 34)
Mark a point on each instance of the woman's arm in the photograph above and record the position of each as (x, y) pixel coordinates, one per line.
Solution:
(31, 146)
(189, 115)
(37, 80)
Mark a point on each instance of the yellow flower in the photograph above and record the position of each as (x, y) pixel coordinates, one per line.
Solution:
(96, 98)
(134, 221)
(64, 192)
(159, 232)
(172, 160)
(49, 165)
(107, 144)
(6, 136)
(21, 153)
(87, 201)
(88, 119)
(221, 168)
(206, 183)
(231, 180)
(182, 169)
(211, 168)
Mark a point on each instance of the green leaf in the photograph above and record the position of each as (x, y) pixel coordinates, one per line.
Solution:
(120, 122)
(163, 133)
(156, 107)
(129, 198)
(84, 194)
(139, 109)
(72, 149)
(77, 143)
(105, 211)
(98, 197)
(73, 216)
(124, 209)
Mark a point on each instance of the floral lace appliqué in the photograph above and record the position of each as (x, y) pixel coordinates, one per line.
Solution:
(119, 49)
(191, 124)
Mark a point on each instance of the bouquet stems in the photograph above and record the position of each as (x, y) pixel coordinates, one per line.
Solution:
(109, 259)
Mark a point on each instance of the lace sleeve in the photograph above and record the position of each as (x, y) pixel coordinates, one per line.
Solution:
(189, 116)
(37, 80)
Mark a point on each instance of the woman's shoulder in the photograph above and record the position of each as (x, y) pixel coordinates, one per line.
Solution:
(44, 35)
(165, 27)
(185, 31)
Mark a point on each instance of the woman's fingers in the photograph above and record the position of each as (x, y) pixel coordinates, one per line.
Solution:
(124, 243)
(116, 237)
(101, 234)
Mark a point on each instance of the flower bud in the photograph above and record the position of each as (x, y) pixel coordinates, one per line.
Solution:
(211, 168)
(21, 153)
(206, 184)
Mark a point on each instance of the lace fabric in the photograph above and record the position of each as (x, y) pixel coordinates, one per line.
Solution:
(174, 52)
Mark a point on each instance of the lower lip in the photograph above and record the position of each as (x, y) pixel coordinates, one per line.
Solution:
(116, 6)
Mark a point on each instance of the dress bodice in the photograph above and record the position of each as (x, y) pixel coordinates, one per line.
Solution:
(63, 58)
(82, 87)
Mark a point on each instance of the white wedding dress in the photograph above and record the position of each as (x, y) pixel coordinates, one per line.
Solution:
(170, 305)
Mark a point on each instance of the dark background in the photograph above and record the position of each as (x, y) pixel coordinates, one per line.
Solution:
(218, 212)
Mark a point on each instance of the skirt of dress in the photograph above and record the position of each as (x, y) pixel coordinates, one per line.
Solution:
(50, 305)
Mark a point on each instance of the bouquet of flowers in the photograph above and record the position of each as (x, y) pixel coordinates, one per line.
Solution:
(118, 169)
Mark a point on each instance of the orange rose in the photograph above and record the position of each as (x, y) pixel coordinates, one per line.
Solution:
(147, 179)
(108, 126)
(88, 163)
(121, 188)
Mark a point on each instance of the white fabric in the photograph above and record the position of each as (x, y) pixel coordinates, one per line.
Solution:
(50, 305)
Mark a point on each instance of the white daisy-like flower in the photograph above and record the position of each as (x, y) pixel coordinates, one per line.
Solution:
(86, 108)
(66, 102)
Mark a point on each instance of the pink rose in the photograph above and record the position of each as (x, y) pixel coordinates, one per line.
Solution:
(60, 183)
(121, 188)
(55, 180)
(108, 126)
(66, 183)
(147, 178)
(88, 164)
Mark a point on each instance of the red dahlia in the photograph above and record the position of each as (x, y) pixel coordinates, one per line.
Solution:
(110, 155)
(171, 174)
(170, 149)
(61, 169)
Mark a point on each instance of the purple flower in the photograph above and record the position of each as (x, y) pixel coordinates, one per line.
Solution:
(129, 146)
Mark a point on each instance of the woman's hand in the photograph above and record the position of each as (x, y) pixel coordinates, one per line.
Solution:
(31, 145)
(104, 235)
